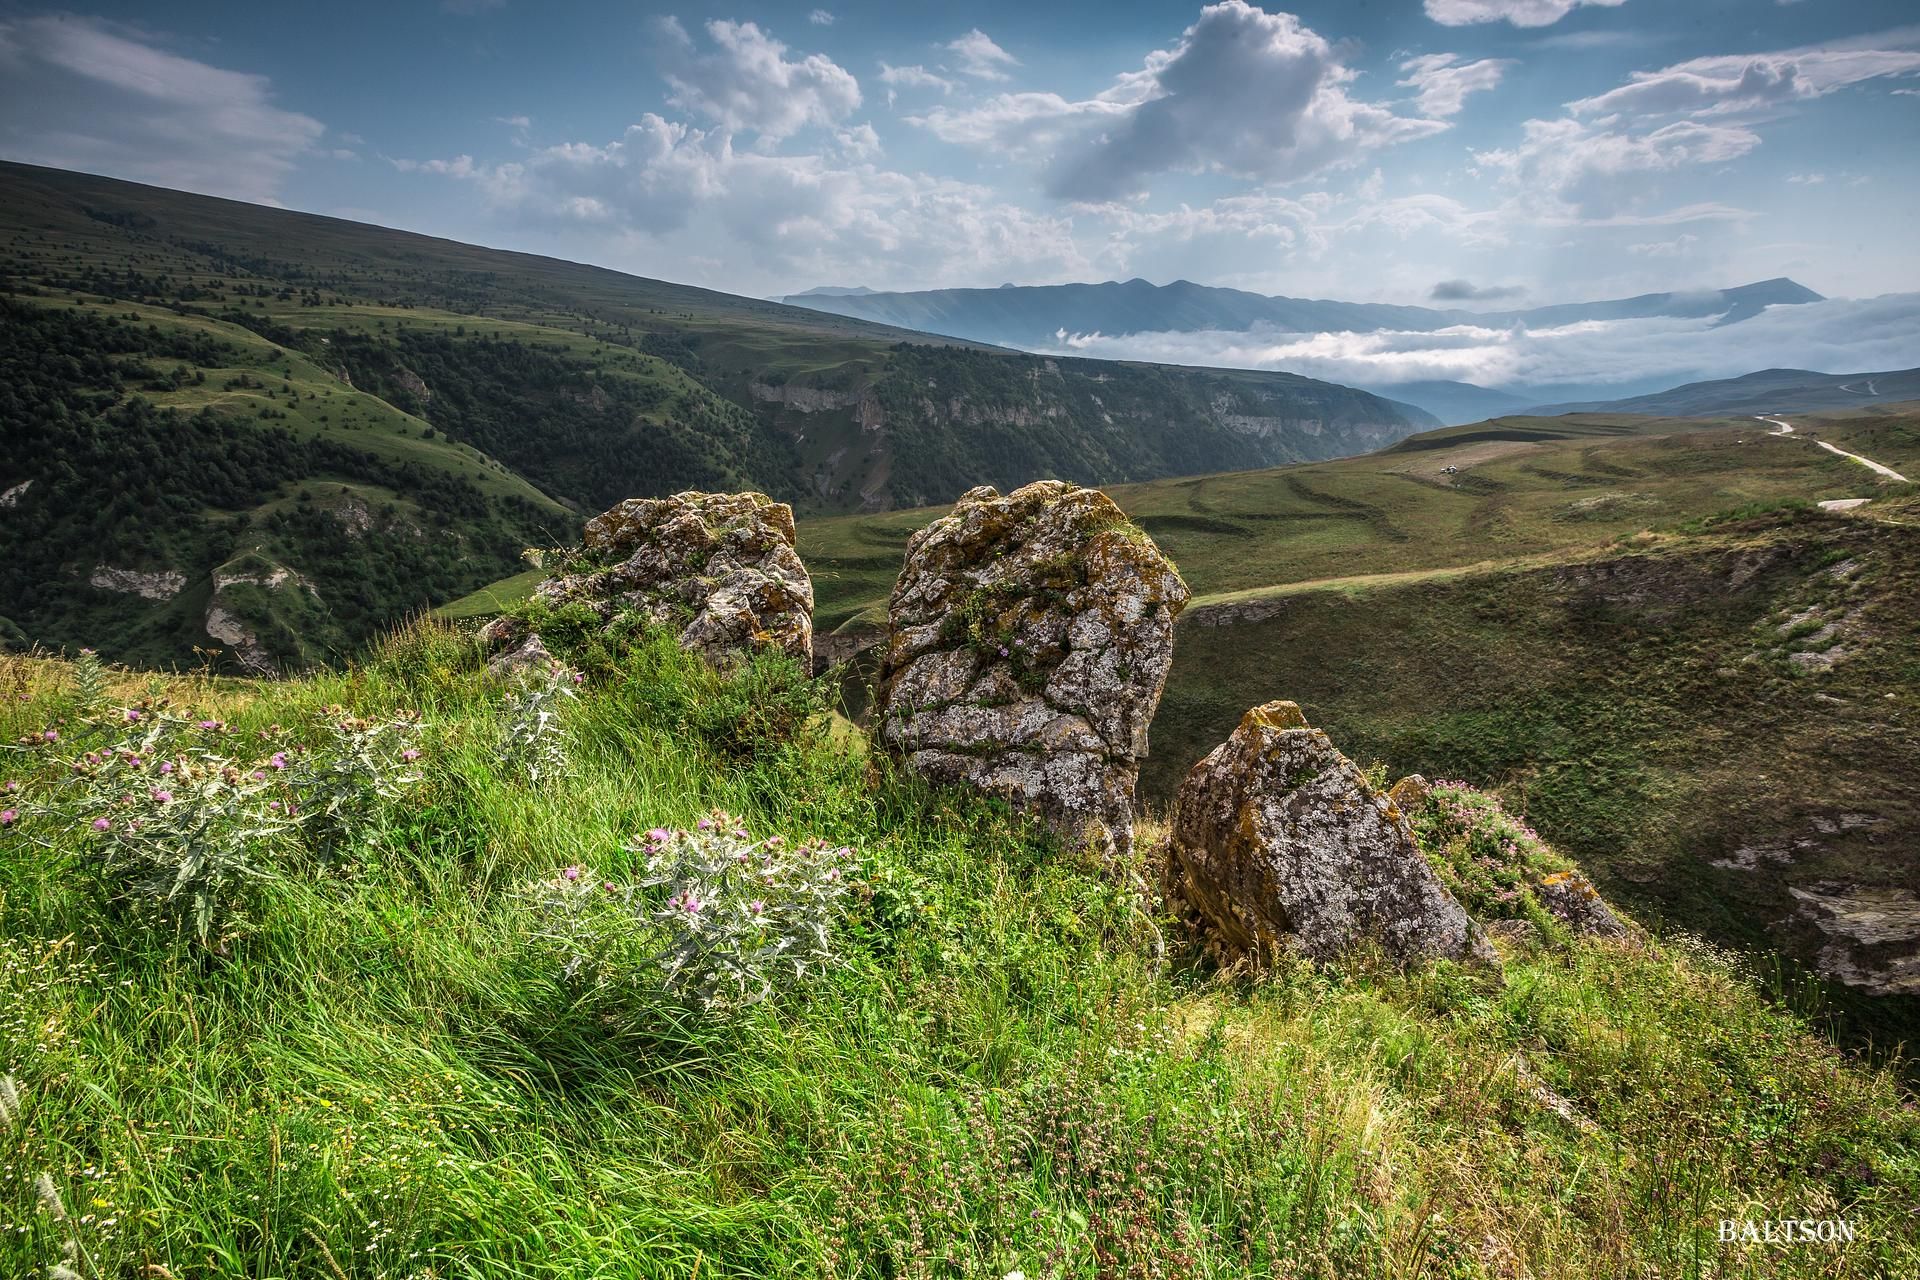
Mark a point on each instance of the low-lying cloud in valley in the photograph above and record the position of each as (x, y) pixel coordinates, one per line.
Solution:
(1838, 335)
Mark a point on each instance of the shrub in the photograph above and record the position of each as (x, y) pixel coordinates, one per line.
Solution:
(725, 921)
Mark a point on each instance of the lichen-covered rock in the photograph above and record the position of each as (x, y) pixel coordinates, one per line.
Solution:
(1570, 898)
(1278, 842)
(718, 568)
(1410, 792)
(1028, 642)
(528, 655)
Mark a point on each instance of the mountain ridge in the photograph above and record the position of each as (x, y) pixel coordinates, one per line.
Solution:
(1033, 316)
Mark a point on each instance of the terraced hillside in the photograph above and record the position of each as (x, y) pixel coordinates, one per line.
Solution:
(1644, 632)
(426, 409)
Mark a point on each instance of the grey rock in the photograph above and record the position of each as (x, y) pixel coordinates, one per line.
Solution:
(1278, 841)
(1028, 643)
(1571, 899)
(720, 569)
(528, 655)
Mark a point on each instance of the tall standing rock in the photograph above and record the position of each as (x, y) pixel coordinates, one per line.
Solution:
(718, 568)
(1279, 841)
(1028, 642)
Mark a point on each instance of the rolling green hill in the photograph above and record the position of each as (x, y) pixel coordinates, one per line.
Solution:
(430, 408)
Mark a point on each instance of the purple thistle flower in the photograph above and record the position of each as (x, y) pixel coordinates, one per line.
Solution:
(658, 835)
(166, 766)
(209, 724)
(162, 795)
(132, 715)
(278, 760)
(8, 817)
(756, 907)
(704, 824)
(101, 824)
(410, 754)
(51, 735)
(571, 873)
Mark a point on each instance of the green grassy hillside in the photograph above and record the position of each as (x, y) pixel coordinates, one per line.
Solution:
(1642, 631)
(431, 408)
(818, 409)
(391, 1058)
(1520, 487)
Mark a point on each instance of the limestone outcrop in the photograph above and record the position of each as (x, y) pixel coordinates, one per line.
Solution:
(719, 569)
(1279, 842)
(1028, 643)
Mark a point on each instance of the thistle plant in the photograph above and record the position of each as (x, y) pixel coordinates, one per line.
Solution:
(183, 831)
(356, 763)
(535, 739)
(89, 683)
(728, 921)
(740, 918)
(186, 828)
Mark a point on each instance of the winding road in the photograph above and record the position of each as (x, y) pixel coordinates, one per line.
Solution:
(1786, 429)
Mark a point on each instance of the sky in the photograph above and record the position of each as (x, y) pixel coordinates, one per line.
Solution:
(1466, 152)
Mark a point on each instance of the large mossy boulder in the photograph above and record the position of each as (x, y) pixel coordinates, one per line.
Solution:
(718, 569)
(1028, 642)
(1279, 842)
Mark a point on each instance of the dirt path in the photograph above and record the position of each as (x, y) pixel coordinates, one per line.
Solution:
(1786, 429)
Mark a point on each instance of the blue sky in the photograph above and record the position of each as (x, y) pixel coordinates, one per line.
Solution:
(1520, 150)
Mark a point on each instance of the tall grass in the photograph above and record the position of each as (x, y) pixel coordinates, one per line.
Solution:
(388, 1077)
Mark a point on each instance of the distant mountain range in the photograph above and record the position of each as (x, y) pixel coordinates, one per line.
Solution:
(1038, 316)
(1767, 391)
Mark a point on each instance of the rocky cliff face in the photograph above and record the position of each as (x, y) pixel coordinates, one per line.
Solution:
(1029, 639)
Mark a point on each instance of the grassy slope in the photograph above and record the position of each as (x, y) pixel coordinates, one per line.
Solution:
(387, 1076)
(1527, 487)
(369, 280)
(1514, 626)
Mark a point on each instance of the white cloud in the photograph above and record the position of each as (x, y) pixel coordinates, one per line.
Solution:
(514, 122)
(1521, 13)
(1678, 247)
(665, 190)
(1735, 82)
(1807, 179)
(820, 18)
(980, 57)
(746, 82)
(1838, 336)
(80, 93)
(915, 77)
(1568, 168)
(1441, 81)
(1244, 92)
